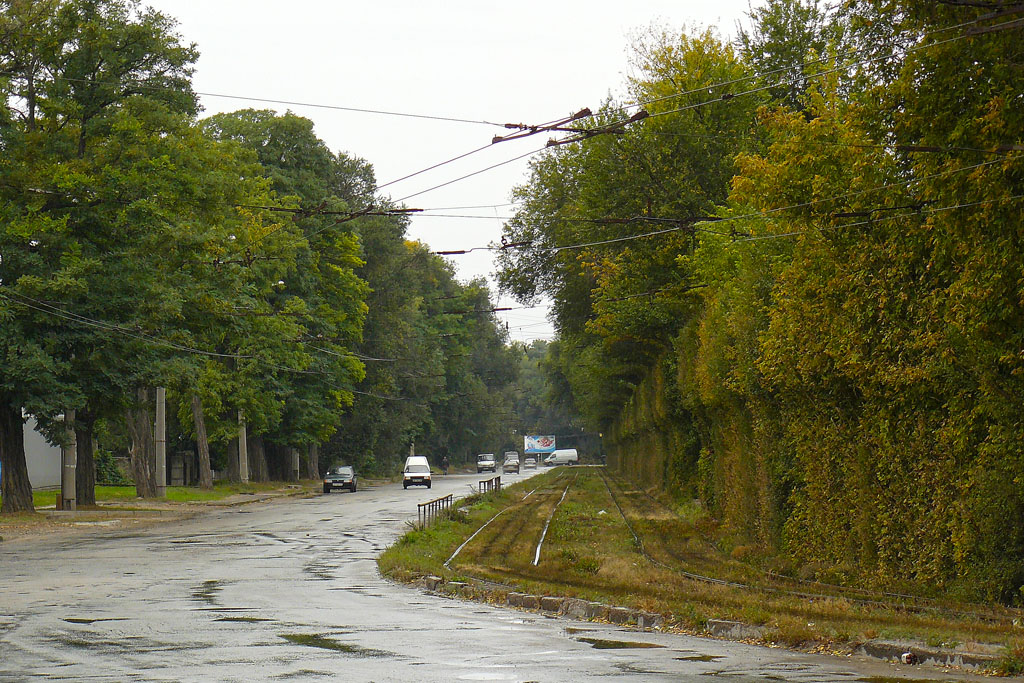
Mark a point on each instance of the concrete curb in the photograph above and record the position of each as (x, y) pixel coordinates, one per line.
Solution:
(917, 654)
(550, 604)
(734, 630)
(890, 651)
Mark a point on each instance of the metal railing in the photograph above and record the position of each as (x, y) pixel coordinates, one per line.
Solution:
(428, 512)
(488, 485)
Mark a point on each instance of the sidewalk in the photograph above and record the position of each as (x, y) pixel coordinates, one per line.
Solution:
(47, 521)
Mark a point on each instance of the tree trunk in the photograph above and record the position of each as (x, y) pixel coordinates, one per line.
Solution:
(203, 446)
(140, 426)
(313, 461)
(17, 490)
(85, 473)
(279, 461)
(273, 454)
(257, 460)
(294, 466)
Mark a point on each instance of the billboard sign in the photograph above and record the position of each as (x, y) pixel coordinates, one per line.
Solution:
(539, 444)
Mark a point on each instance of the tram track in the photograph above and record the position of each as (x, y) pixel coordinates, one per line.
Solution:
(650, 537)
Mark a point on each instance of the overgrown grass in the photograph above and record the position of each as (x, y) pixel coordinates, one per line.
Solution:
(1012, 661)
(423, 551)
(590, 552)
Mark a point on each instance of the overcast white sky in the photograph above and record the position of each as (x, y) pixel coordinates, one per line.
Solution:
(522, 62)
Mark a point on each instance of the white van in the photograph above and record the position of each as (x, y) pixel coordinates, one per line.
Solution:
(416, 472)
(564, 456)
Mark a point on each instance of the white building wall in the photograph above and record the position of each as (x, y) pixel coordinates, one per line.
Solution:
(43, 459)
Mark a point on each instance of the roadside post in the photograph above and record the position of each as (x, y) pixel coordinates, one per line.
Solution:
(243, 452)
(161, 442)
(69, 465)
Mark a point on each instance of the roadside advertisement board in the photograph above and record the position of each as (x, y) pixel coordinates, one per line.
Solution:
(538, 444)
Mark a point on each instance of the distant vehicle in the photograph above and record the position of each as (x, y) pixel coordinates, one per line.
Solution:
(564, 456)
(511, 463)
(340, 477)
(530, 462)
(485, 463)
(416, 472)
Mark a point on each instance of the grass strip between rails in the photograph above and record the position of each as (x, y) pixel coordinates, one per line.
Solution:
(612, 543)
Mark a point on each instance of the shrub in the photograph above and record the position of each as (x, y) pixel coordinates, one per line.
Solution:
(108, 471)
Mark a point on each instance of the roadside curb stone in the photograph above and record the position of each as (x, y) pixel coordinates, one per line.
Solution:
(719, 628)
(893, 651)
(734, 630)
(430, 582)
(550, 603)
(597, 611)
(647, 620)
(621, 615)
(531, 601)
(574, 607)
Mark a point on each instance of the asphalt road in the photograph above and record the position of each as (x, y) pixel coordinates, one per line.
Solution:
(289, 590)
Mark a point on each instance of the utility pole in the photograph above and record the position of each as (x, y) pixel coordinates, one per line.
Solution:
(243, 449)
(69, 466)
(161, 442)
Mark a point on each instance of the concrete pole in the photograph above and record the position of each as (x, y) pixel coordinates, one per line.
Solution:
(295, 464)
(161, 442)
(69, 466)
(243, 449)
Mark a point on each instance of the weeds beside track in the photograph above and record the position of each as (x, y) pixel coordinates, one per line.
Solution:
(613, 543)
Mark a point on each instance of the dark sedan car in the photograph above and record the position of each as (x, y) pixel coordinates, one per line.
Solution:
(341, 477)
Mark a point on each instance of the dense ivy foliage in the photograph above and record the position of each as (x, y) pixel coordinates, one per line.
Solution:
(835, 365)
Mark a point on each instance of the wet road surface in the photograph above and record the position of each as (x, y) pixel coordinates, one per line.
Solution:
(289, 591)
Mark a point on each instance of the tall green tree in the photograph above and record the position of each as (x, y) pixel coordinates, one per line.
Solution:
(81, 78)
(322, 293)
(607, 219)
(788, 42)
(117, 212)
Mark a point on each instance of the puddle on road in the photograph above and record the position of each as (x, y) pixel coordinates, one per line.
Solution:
(302, 673)
(633, 669)
(894, 679)
(325, 643)
(602, 644)
(82, 644)
(244, 620)
(76, 620)
(131, 644)
(320, 570)
(207, 592)
(700, 658)
(572, 630)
